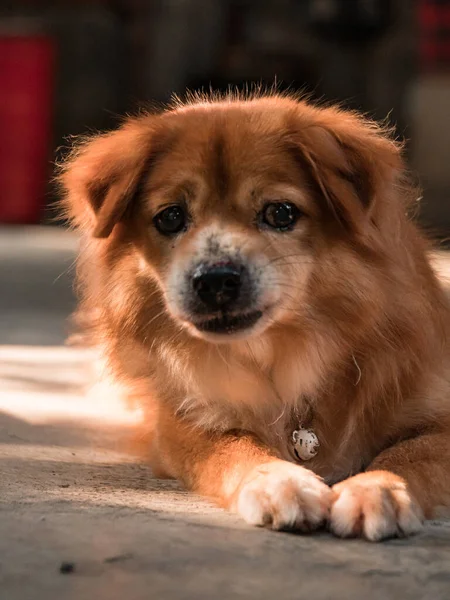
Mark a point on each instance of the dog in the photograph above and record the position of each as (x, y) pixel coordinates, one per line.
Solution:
(251, 269)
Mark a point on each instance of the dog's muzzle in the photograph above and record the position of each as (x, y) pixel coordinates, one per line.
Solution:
(221, 296)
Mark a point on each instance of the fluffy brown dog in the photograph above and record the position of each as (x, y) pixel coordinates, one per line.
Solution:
(253, 277)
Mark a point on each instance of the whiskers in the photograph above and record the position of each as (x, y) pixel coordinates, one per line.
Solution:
(305, 260)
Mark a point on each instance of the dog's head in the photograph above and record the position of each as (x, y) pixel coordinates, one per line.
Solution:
(231, 203)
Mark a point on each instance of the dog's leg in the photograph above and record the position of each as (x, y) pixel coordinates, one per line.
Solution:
(404, 483)
(240, 473)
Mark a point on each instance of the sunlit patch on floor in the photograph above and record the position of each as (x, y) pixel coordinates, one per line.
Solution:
(50, 384)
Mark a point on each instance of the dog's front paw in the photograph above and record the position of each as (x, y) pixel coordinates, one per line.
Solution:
(284, 496)
(374, 505)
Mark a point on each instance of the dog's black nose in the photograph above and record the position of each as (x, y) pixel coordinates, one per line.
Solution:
(218, 286)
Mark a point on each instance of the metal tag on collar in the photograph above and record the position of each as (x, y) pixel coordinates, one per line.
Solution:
(306, 443)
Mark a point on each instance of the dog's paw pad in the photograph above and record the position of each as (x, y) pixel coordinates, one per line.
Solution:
(374, 507)
(283, 496)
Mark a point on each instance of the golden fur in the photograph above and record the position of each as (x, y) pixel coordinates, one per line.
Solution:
(354, 344)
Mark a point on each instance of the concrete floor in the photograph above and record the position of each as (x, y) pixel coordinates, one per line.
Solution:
(70, 492)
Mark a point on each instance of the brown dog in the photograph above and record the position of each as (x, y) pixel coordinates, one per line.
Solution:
(252, 275)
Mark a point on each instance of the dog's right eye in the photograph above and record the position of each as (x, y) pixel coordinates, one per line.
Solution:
(280, 215)
(171, 220)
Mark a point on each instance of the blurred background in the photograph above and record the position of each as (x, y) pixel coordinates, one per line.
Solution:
(67, 67)
(72, 66)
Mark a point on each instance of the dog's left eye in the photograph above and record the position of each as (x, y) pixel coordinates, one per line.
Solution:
(171, 220)
(280, 215)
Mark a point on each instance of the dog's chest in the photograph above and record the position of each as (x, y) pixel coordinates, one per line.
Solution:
(254, 392)
(238, 398)
(252, 379)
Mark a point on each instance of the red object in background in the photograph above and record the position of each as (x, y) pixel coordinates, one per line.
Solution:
(26, 85)
(434, 30)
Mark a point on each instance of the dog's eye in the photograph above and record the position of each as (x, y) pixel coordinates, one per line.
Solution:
(171, 220)
(280, 215)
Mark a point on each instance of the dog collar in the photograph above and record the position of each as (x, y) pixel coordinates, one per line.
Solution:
(306, 443)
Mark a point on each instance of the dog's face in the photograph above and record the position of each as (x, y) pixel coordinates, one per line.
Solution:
(228, 225)
(232, 205)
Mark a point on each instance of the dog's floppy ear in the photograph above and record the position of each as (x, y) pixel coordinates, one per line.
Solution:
(102, 174)
(354, 163)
